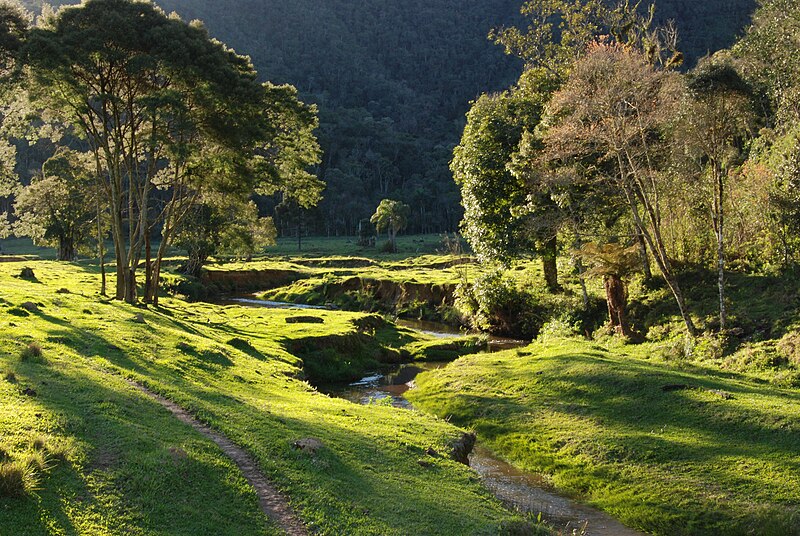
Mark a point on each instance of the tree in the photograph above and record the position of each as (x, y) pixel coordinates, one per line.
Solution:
(14, 26)
(504, 215)
(615, 106)
(159, 103)
(768, 57)
(222, 224)
(558, 33)
(392, 216)
(613, 262)
(510, 203)
(59, 207)
(716, 120)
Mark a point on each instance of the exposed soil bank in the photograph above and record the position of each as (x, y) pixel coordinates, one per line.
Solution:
(431, 301)
(248, 280)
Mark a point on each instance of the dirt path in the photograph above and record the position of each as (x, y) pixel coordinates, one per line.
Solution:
(273, 503)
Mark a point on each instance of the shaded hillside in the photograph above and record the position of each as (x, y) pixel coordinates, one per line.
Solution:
(393, 81)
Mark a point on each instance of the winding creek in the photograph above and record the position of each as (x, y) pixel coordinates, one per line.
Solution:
(523, 491)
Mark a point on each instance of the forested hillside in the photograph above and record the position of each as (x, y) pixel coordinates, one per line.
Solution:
(393, 80)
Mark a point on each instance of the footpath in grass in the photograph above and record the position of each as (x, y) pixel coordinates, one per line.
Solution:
(115, 462)
(671, 451)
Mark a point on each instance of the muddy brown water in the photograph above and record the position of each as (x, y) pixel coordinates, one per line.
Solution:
(521, 490)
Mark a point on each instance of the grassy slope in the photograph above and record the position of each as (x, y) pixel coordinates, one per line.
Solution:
(366, 479)
(599, 425)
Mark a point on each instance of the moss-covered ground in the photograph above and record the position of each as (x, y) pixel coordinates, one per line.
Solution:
(101, 458)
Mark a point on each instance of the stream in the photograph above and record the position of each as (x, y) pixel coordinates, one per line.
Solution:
(523, 491)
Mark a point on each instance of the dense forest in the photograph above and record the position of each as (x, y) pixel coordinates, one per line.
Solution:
(393, 81)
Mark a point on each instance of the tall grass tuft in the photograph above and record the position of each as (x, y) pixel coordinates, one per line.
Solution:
(32, 352)
(18, 478)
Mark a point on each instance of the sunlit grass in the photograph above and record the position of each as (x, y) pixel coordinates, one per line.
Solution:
(128, 465)
(602, 428)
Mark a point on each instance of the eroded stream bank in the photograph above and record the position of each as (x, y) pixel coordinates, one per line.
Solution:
(523, 491)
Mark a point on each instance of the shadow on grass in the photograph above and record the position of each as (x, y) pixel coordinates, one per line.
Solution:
(598, 422)
(136, 474)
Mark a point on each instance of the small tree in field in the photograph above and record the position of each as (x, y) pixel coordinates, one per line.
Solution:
(219, 224)
(393, 216)
(715, 125)
(58, 208)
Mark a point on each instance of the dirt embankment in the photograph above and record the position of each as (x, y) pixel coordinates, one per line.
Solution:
(247, 280)
(394, 293)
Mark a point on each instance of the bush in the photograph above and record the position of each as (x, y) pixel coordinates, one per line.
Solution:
(789, 347)
(12, 479)
(18, 477)
(498, 304)
(495, 304)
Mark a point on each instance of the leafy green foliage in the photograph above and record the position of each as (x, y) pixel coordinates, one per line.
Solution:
(223, 225)
(491, 194)
(59, 208)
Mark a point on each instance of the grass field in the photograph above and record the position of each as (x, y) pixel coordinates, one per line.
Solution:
(115, 462)
(670, 436)
(672, 450)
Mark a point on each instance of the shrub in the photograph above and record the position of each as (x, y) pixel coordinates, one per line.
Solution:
(17, 477)
(495, 304)
(12, 479)
(677, 348)
(559, 327)
(789, 347)
(710, 346)
(45, 447)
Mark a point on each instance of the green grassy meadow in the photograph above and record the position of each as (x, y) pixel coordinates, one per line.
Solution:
(671, 437)
(115, 462)
(668, 449)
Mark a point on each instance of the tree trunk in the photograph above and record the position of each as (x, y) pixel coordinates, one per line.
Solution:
(582, 280)
(194, 264)
(120, 291)
(299, 229)
(148, 269)
(549, 264)
(659, 252)
(646, 270)
(654, 241)
(66, 249)
(579, 269)
(617, 299)
(723, 313)
(155, 279)
(130, 290)
(101, 253)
